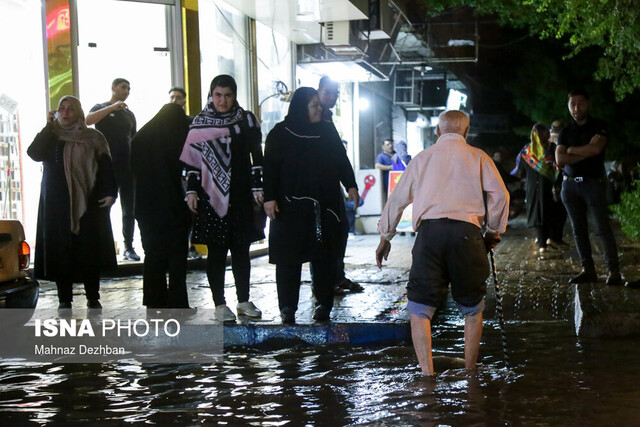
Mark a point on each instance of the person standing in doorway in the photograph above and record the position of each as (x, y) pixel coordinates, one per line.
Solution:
(177, 95)
(447, 183)
(118, 125)
(580, 152)
(384, 162)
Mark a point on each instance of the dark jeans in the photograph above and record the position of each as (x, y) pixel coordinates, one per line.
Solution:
(288, 284)
(164, 251)
(91, 287)
(350, 213)
(124, 178)
(240, 265)
(584, 199)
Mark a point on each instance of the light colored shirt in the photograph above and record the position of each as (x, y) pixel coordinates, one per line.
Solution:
(448, 180)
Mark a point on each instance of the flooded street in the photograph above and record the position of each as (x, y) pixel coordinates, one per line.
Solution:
(556, 378)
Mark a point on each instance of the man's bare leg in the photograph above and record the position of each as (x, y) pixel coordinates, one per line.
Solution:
(421, 337)
(472, 336)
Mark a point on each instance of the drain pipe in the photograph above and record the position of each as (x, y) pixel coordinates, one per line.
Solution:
(499, 310)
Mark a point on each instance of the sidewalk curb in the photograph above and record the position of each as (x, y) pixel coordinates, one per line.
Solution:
(136, 268)
(251, 335)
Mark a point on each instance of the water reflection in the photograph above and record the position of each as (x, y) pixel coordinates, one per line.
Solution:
(556, 380)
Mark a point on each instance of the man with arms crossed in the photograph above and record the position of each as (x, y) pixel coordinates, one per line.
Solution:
(580, 152)
(446, 183)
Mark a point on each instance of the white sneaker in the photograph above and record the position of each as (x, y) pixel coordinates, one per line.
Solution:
(224, 313)
(248, 309)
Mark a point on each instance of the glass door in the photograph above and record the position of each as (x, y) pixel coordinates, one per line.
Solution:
(129, 40)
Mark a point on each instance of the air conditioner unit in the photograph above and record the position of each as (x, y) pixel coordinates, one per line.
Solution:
(381, 21)
(336, 33)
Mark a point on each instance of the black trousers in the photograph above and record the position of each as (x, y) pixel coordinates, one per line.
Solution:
(91, 280)
(288, 284)
(165, 250)
(553, 226)
(559, 220)
(124, 178)
(339, 262)
(240, 265)
(584, 199)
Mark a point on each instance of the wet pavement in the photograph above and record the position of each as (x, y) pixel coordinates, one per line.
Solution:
(555, 377)
(533, 288)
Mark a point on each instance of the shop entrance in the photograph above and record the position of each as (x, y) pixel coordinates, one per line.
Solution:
(129, 40)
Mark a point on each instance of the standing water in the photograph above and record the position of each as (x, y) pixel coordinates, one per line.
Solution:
(556, 379)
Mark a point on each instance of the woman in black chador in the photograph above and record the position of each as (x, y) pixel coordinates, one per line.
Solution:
(74, 242)
(536, 162)
(305, 163)
(160, 210)
(223, 153)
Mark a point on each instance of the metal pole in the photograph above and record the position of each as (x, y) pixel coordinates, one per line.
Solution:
(499, 310)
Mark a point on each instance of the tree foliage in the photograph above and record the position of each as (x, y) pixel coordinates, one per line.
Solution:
(611, 25)
(628, 212)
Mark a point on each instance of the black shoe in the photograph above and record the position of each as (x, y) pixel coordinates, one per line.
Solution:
(288, 318)
(131, 254)
(64, 304)
(352, 286)
(585, 277)
(93, 303)
(614, 279)
(321, 314)
(633, 285)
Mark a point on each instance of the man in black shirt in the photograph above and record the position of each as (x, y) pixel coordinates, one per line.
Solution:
(328, 91)
(581, 152)
(118, 124)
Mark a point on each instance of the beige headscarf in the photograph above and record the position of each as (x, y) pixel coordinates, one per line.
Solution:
(81, 151)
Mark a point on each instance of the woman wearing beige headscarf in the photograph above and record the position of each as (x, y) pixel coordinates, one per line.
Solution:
(74, 242)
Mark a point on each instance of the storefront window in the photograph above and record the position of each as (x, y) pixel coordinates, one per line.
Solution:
(123, 39)
(274, 70)
(224, 47)
(343, 117)
(23, 106)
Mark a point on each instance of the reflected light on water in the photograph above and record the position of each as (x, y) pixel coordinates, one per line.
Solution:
(554, 380)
